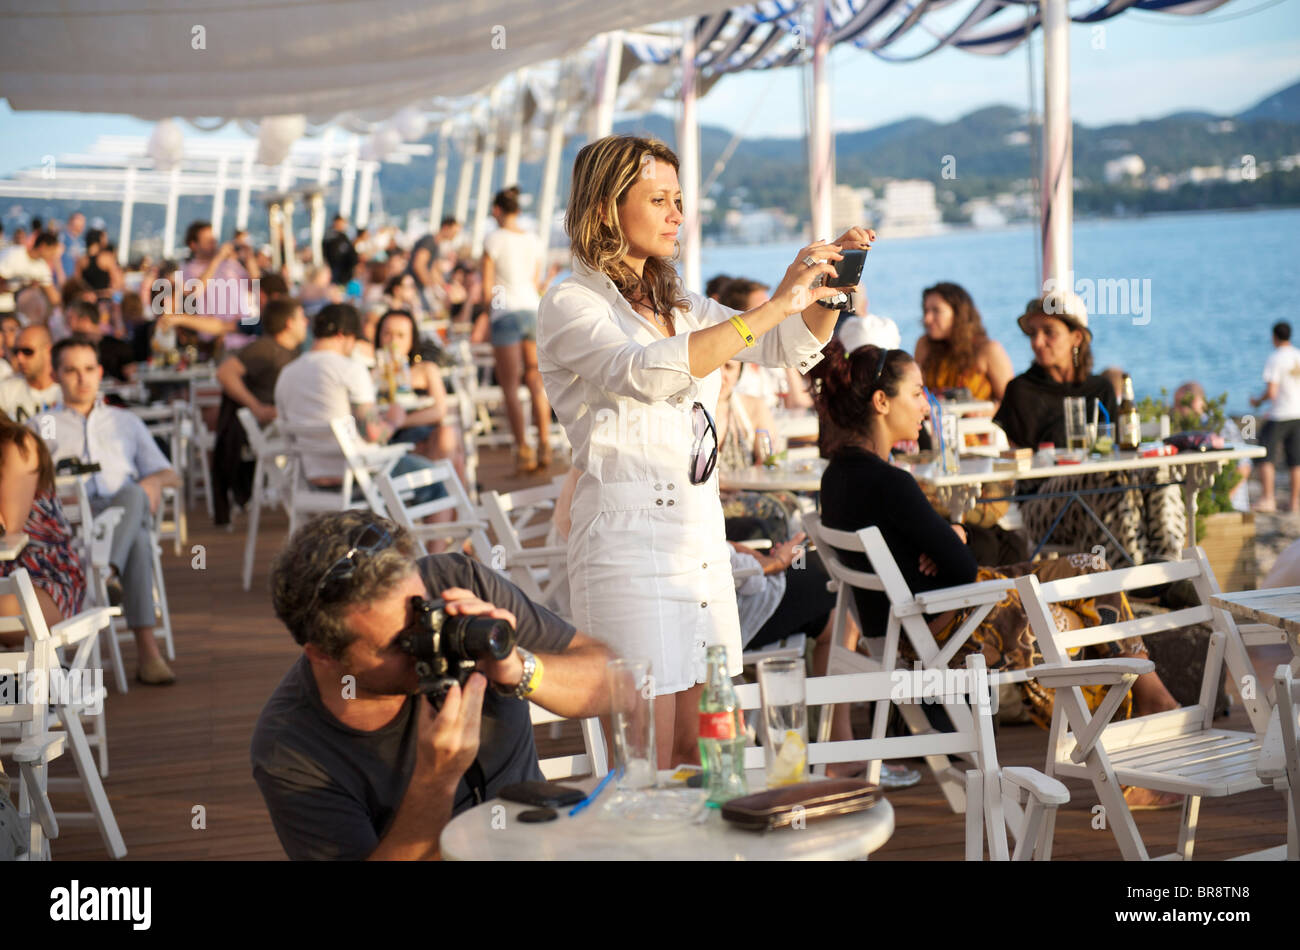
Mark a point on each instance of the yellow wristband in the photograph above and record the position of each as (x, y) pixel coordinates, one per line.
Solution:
(743, 329)
(536, 680)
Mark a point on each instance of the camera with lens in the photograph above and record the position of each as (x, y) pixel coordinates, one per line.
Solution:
(447, 648)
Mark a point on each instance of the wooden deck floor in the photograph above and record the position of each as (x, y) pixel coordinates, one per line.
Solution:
(180, 752)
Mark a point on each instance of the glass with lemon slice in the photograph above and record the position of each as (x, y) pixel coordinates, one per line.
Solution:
(785, 720)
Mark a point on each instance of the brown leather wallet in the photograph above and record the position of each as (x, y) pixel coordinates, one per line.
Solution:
(805, 802)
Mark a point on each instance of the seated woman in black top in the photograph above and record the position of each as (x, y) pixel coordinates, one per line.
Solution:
(1149, 523)
(1033, 407)
(876, 398)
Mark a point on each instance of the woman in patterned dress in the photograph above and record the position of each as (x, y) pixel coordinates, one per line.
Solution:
(28, 504)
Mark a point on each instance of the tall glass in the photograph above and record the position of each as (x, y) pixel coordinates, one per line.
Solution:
(785, 720)
(632, 703)
(1076, 423)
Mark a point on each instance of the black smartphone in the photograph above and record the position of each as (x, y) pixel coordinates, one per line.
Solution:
(542, 794)
(848, 269)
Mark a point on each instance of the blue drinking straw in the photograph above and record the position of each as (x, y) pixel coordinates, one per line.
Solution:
(595, 792)
(1104, 414)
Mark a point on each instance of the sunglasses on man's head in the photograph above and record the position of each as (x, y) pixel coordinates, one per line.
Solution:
(369, 540)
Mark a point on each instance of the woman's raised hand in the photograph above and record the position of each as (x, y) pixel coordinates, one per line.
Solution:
(796, 293)
(856, 238)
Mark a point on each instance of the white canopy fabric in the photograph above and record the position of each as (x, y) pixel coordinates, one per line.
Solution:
(319, 58)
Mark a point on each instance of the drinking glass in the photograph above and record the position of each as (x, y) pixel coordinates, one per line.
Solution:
(632, 698)
(785, 719)
(1076, 423)
(1104, 443)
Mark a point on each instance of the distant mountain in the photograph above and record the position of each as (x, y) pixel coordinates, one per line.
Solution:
(1282, 106)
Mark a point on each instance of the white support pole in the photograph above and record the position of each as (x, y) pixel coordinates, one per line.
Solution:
(607, 84)
(128, 206)
(465, 182)
(275, 224)
(482, 202)
(219, 197)
(1058, 150)
(363, 193)
(169, 219)
(292, 271)
(316, 208)
(688, 151)
(326, 153)
(245, 186)
(349, 179)
(551, 170)
(439, 197)
(286, 175)
(820, 163)
(515, 141)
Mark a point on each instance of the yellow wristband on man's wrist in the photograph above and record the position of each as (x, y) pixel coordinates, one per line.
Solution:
(743, 329)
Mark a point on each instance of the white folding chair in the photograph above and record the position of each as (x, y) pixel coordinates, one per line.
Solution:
(1178, 751)
(320, 441)
(270, 450)
(37, 665)
(1279, 757)
(394, 489)
(591, 762)
(992, 792)
(518, 519)
(907, 612)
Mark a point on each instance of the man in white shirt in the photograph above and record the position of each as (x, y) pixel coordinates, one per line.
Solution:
(1281, 432)
(133, 472)
(21, 266)
(32, 388)
(326, 383)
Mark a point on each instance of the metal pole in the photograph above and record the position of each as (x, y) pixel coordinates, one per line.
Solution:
(688, 151)
(607, 84)
(291, 269)
(128, 206)
(820, 165)
(169, 219)
(245, 185)
(439, 197)
(551, 170)
(219, 197)
(275, 224)
(349, 179)
(363, 194)
(316, 208)
(485, 177)
(1058, 150)
(465, 181)
(515, 141)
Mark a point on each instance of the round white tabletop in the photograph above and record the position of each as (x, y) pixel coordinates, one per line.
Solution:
(799, 475)
(493, 832)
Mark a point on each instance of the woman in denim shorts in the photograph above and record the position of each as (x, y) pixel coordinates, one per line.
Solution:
(512, 282)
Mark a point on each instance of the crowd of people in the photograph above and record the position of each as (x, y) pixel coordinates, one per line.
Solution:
(657, 558)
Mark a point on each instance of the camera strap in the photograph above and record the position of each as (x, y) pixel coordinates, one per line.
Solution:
(477, 782)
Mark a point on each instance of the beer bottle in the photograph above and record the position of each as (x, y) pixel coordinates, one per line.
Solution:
(1128, 427)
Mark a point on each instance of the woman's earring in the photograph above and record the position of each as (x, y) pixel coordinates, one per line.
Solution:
(1076, 356)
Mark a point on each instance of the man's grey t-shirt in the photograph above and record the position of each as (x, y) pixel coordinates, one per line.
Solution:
(333, 791)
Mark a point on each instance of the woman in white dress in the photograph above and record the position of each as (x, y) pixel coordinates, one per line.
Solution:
(630, 363)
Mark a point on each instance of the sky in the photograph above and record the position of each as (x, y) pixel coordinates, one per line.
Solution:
(1141, 65)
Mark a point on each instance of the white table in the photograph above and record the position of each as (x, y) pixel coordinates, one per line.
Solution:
(1277, 607)
(968, 407)
(797, 475)
(1196, 470)
(493, 832)
(157, 375)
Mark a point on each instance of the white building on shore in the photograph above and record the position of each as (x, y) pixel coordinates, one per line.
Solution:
(909, 209)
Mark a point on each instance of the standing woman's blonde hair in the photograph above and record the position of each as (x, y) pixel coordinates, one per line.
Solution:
(603, 173)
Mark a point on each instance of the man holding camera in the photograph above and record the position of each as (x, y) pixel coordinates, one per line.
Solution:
(352, 760)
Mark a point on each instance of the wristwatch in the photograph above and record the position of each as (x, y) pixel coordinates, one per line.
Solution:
(526, 684)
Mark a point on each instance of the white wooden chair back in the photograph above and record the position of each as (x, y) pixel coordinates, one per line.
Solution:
(306, 499)
(466, 524)
(1285, 774)
(990, 789)
(1177, 751)
(518, 519)
(591, 762)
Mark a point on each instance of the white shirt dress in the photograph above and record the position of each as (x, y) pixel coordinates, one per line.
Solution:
(648, 561)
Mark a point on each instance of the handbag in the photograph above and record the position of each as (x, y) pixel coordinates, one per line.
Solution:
(798, 804)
